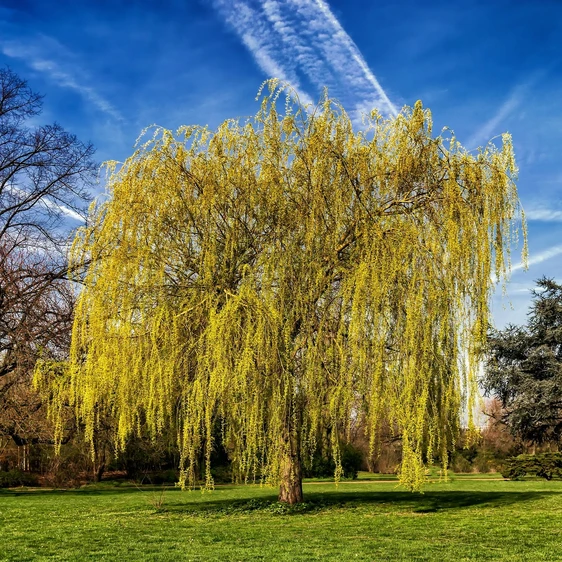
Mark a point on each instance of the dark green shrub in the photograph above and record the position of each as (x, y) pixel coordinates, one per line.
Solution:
(459, 463)
(543, 465)
(221, 474)
(169, 476)
(15, 478)
(351, 460)
(484, 461)
(144, 457)
(322, 466)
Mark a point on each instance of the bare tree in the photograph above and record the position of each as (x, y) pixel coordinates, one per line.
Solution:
(45, 174)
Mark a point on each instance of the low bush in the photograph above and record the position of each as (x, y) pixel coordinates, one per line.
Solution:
(169, 476)
(324, 467)
(15, 478)
(221, 474)
(543, 465)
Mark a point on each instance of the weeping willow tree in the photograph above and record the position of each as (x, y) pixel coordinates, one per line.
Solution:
(274, 280)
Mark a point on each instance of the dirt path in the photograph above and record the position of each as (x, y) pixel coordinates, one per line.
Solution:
(456, 478)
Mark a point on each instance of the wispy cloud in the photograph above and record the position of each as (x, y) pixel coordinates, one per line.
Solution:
(21, 196)
(66, 211)
(253, 28)
(545, 255)
(346, 46)
(544, 215)
(302, 42)
(513, 101)
(520, 289)
(60, 74)
(490, 128)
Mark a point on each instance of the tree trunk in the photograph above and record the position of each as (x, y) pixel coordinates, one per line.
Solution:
(99, 467)
(290, 490)
(99, 472)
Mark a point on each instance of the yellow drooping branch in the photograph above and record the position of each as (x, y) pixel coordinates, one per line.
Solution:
(283, 275)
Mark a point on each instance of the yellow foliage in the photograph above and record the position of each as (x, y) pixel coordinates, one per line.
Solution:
(282, 275)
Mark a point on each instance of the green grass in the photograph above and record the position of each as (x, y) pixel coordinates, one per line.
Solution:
(365, 520)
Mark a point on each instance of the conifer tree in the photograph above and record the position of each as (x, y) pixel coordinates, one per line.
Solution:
(524, 369)
(279, 276)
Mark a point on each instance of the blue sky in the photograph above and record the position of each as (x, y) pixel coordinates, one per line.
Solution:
(110, 68)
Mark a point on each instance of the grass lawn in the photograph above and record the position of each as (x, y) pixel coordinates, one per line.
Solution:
(465, 519)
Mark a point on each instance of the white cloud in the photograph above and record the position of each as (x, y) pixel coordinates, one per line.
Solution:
(64, 77)
(346, 47)
(23, 195)
(301, 41)
(545, 255)
(544, 215)
(490, 128)
(513, 101)
(67, 211)
(255, 32)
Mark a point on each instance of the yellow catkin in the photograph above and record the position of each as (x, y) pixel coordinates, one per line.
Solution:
(282, 276)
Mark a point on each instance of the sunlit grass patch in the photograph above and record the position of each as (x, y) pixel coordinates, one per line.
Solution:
(365, 520)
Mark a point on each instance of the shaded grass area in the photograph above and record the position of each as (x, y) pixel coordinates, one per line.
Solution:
(461, 520)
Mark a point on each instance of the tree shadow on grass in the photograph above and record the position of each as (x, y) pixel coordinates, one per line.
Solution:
(377, 502)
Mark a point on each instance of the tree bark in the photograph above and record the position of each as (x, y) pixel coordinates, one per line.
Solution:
(99, 466)
(290, 490)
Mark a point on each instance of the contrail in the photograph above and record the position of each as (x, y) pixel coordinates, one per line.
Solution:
(302, 42)
(485, 132)
(545, 255)
(64, 77)
(255, 32)
(347, 44)
(513, 101)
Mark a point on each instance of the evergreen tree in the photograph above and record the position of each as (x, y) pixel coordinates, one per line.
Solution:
(524, 369)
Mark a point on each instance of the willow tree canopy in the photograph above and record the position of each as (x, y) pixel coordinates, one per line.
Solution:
(280, 277)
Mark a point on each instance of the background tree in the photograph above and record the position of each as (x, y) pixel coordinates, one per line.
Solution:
(44, 176)
(524, 369)
(282, 276)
